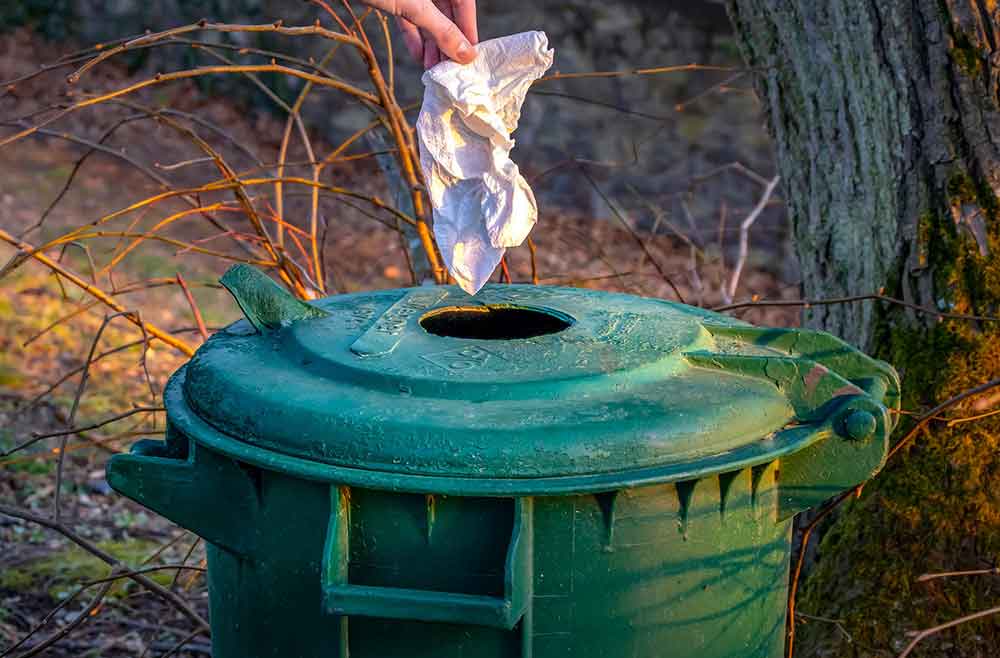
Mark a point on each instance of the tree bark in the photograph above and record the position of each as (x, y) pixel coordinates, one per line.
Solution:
(886, 120)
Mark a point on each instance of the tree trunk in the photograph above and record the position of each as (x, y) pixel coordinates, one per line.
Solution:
(883, 115)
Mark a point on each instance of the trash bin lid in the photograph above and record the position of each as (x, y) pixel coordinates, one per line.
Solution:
(520, 382)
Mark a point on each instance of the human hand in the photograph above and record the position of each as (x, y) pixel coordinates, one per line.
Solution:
(434, 30)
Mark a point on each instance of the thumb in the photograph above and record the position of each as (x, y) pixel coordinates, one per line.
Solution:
(426, 16)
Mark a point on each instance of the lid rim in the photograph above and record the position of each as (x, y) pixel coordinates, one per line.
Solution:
(197, 429)
(635, 392)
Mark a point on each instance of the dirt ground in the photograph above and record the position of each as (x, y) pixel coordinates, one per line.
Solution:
(40, 346)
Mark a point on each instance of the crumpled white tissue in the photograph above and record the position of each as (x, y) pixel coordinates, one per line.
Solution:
(481, 202)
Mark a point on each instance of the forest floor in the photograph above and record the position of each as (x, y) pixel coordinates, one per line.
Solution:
(46, 332)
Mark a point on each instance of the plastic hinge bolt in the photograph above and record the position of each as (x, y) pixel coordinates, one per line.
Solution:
(859, 425)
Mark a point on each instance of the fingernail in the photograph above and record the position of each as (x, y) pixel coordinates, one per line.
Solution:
(465, 52)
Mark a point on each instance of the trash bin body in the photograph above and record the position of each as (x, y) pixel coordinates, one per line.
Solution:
(530, 472)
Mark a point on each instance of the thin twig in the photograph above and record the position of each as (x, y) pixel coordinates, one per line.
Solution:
(738, 167)
(993, 571)
(187, 556)
(108, 582)
(67, 375)
(40, 625)
(575, 281)
(933, 413)
(164, 184)
(295, 119)
(194, 307)
(277, 27)
(76, 430)
(73, 172)
(833, 504)
(927, 632)
(719, 86)
(162, 548)
(57, 494)
(635, 236)
(180, 244)
(59, 321)
(854, 298)
(734, 279)
(837, 623)
(187, 74)
(77, 621)
(591, 101)
(114, 577)
(661, 218)
(96, 292)
(92, 442)
(534, 264)
(163, 223)
(793, 589)
(966, 419)
(182, 643)
(153, 586)
(630, 72)
(106, 421)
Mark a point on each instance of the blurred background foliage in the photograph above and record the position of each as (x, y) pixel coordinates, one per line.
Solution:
(653, 132)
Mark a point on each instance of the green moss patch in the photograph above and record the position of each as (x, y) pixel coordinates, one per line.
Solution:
(61, 572)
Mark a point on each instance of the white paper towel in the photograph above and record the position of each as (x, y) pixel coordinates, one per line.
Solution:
(482, 204)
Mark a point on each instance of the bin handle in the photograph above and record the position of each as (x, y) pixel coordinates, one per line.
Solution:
(187, 483)
(342, 598)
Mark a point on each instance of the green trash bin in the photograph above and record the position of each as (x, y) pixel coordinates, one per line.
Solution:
(530, 472)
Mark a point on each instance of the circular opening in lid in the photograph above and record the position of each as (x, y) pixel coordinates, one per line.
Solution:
(493, 322)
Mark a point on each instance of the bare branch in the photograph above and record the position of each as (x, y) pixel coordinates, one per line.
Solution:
(77, 621)
(76, 430)
(993, 571)
(628, 227)
(153, 586)
(194, 307)
(147, 39)
(927, 632)
(924, 420)
(192, 73)
(652, 71)
(741, 259)
(96, 292)
(806, 303)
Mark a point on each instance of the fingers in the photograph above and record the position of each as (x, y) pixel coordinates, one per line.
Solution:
(411, 38)
(446, 35)
(432, 54)
(424, 15)
(464, 14)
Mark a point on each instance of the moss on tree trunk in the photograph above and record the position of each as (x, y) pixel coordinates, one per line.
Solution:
(884, 116)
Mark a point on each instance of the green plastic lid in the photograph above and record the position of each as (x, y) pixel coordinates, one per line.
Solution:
(518, 388)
